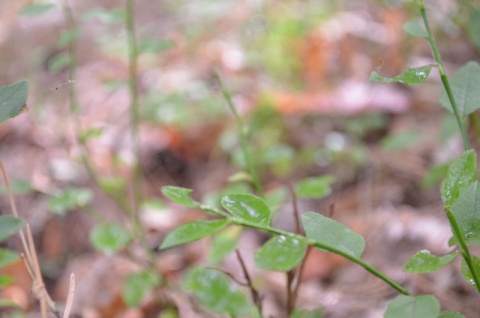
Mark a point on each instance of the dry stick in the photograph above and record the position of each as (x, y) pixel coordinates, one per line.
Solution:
(255, 295)
(30, 258)
(71, 295)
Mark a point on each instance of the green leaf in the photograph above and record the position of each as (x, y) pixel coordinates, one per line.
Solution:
(248, 208)
(9, 225)
(461, 173)
(400, 141)
(155, 46)
(424, 262)
(5, 280)
(12, 99)
(302, 313)
(415, 29)
(113, 184)
(464, 84)
(70, 199)
(281, 253)
(7, 257)
(450, 314)
(224, 243)
(434, 175)
(67, 37)
(314, 188)
(467, 275)
(59, 62)
(215, 291)
(332, 233)
(425, 306)
(411, 76)
(466, 210)
(180, 196)
(192, 231)
(5, 303)
(136, 286)
(18, 187)
(473, 26)
(111, 16)
(36, 9)
(109, 238)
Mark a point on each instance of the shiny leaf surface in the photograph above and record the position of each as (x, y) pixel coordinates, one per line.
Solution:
(280, 253)
(411, 76)
(466, 210)
(248, 208)
(424, 262)
(461, 173)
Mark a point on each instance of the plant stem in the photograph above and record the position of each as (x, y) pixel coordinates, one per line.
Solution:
(322, 246)
(243, 136)
(134, 111)
(443, 75)
(463, 247)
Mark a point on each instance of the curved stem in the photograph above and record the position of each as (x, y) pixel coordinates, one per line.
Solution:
(243, 136)
(443, 76)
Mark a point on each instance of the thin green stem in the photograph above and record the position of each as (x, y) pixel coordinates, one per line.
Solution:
(243, 136)
(329, 248)
(443, 76)
(463, 247)
(134, 110)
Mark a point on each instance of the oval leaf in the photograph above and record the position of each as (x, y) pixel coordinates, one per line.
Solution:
(9, 225)
(70, 199)
(466, 211)
(464, 84)
(224, 243)
(314, 188)
(192, 231)
(136, 286)
(281, 253)
(248, 208)
(426, 306)
(467, 275)
(180, 196)
(109, 238)
(411, 76)
(36, 9)
(7, 257)
(215, 291)
(450, 314)
(461, 173)
(12, 99)
(415, 29)
(330, 232)
(424, 262)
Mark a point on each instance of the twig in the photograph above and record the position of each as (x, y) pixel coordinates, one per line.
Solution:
(257, 299)
(71, 295)
(296, 212)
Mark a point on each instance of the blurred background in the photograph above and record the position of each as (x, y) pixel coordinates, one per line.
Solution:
(298, 72)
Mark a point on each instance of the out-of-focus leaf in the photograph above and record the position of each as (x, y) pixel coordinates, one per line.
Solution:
(461, 173)
(281, 253)
(155, 46)
(70, 199)
(5, 303)
(18, 187)
(111, 16)
(467, 275)
(424, 262)
(332, 233)
(113, 184)
(109, 238)
(415, 29)
(67, 37)
(9, 225)
(5, 280)
(180, 196)
(435, 175)
(411, 76)
(137, 286)
(425, 306)
(36, 9)
(224, 243)
(248, 208)
(464, 84)
(59, 62)
(215, 291)
(302, 313)
(12, 99)
(473, 26)
(315, 187)
(192, 231)
(400, 141)
(7, 257)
